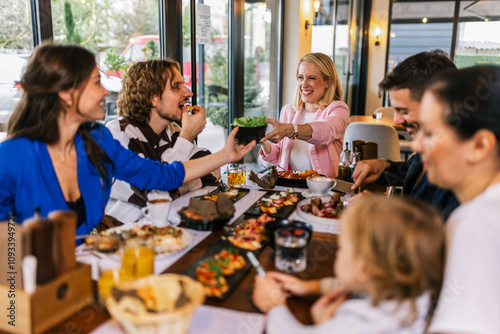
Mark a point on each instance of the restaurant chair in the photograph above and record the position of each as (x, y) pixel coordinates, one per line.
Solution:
(405, 145)
(388, 144)
(384, 135)
(404, 136)
(386, 111)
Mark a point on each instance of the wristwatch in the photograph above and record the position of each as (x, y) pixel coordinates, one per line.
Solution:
(295, 133)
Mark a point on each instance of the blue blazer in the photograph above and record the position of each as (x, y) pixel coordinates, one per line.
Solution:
(28, 179)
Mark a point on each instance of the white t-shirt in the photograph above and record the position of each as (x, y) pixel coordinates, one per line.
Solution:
(299, 156)
(356, 316)
(470, 298)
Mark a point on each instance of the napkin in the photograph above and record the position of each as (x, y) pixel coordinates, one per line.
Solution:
(221, 209)
(267, 181)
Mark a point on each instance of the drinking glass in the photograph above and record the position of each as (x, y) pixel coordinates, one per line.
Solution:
(236, 174)
(138, 258)
(290, 249)
(107, 281)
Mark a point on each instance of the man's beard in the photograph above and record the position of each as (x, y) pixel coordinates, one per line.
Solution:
(413, 125)
(168, 117)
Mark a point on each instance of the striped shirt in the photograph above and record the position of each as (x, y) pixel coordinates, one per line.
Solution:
(126, 200)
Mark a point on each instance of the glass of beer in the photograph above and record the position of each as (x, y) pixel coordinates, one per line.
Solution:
(236, 174)
(109, 279)
(138, 258)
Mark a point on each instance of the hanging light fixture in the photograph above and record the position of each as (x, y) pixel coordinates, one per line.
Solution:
(316, 6)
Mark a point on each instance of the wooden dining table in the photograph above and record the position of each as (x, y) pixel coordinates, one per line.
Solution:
(320, 258)
(369, 119)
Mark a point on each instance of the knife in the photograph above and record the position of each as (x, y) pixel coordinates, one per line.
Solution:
(256, 264)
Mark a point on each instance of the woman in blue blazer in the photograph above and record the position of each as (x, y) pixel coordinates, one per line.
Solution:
(56, 156)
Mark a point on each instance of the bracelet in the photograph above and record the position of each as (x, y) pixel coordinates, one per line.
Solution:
(295, 133)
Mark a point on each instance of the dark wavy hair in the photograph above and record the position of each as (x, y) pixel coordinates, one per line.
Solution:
(471, 98)
(53, 68)
(144, 80)
(414, 72)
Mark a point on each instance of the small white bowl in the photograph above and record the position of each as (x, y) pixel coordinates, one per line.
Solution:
(319, 185)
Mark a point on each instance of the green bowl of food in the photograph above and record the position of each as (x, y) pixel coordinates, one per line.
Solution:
(251, 128)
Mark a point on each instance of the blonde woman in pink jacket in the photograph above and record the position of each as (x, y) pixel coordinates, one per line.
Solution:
(309, 134)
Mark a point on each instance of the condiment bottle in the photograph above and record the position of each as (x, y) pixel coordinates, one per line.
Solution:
(345, 160)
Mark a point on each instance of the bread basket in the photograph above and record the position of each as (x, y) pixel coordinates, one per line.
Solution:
(175, 322)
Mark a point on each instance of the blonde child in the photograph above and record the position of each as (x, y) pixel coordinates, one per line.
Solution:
(391, 255)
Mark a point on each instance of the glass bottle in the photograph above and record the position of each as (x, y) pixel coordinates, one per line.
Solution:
(345, 160)
(354, 162)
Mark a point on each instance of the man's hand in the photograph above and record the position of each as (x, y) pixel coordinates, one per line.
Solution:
(232, 150)
(326, 307)
(192, 125)
(267, 293)
(280, 130)
(368, 171)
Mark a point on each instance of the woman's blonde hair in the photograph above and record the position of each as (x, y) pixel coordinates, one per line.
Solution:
(402, 242)
(325, 65)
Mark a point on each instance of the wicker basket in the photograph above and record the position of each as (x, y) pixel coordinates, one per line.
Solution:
(177, 322)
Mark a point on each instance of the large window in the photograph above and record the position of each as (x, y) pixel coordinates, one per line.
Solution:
(212, 76)
(119, 32)
(419, 26)
(16, 45)
(469, 34)
(255, 88)
(333, 20)
(478, 41)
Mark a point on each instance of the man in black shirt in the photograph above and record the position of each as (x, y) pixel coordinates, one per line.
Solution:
(406, 85)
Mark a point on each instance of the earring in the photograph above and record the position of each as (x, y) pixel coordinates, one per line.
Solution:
(69, 103)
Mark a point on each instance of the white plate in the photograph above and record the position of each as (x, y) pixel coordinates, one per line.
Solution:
(315, 219)
(307, 193)
(187, 239)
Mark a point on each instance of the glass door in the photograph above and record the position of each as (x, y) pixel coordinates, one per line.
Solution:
(212, 59)
(333, 20)
(16, 45)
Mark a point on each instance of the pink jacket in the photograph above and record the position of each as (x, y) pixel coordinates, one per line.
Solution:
(327, 138)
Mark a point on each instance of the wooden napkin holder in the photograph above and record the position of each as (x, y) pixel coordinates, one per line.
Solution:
(56, 297)
(50, 304)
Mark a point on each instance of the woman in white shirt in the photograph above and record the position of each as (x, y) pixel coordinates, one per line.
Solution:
(459, 143)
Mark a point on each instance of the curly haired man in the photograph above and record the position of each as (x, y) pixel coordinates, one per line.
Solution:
(152, 103)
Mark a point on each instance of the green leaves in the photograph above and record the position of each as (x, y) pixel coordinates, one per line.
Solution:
(248, 122)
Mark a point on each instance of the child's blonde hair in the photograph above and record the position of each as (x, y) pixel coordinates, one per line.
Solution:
(402, 242)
